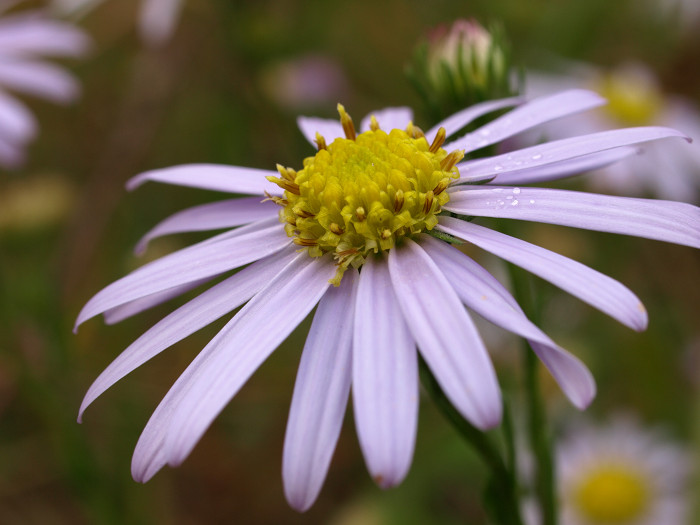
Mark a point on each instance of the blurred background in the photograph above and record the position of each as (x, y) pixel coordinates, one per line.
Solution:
(226, 87)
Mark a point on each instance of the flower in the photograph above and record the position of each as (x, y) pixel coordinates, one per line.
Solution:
(634, 99)
(157, 18)
(25, 38)
(622, 473)
(371, 201)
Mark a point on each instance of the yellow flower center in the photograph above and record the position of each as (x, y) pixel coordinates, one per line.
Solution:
(612, 494)
(633, 98)
(361, 194)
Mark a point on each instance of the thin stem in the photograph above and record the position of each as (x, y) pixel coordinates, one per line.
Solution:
(501, 494)
(540, 441)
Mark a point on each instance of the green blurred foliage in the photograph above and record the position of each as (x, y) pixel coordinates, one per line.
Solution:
(199, 99)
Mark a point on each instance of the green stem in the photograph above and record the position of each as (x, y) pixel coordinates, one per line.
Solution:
(501, 494)
(539, 437)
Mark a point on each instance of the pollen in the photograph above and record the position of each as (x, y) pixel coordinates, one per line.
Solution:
(362, 193)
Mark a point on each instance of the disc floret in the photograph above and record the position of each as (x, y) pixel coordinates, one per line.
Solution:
(361, 194)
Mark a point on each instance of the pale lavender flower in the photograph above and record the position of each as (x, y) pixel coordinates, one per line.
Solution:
(368, 202)
(156, 20)
(26, 39)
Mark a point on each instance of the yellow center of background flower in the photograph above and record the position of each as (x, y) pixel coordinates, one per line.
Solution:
(361, 194)
(612, 495)
(633, 98)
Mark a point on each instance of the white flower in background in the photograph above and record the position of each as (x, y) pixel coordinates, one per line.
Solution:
(26, 39)
(622, 474)
(157, 18)
(634, 99)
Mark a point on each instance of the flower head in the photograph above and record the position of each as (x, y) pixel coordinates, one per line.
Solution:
(622, 474)
(360, 230)
(26, 38)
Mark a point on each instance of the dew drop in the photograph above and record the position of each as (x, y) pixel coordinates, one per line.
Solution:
(536, 157)
(516, 191)
(485, 132)
(532, 201)
(509, 197)
(514, 203)
(497, 167)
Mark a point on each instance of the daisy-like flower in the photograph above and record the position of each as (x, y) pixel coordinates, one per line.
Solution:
(157, 18)
(622, 474)
(26, 38)
(635, 98)
(350, 231)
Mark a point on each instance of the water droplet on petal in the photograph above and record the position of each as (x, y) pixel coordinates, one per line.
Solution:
(497, 167)
(532, 201)
(516, 191)
(536, 157)
(514, 203)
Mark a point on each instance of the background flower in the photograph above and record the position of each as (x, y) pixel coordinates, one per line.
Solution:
(634, 98)
(621, 472)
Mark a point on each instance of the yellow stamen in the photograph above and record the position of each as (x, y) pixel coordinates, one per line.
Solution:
(439, 140)
(373, 124)
(346, 122)
(453, 158)
(320, 141)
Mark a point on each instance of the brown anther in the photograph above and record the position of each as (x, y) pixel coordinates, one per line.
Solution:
(414, 131)
(303, 213)
(305, 242)
(320, 142)
(386, 233)
(291, 187)
(428, 202)
(277, 200)
(346, 253)
(291, 220)
(373, 124)
(398, 201)
(346, 122)
(441, 186)
(439, 140)
(336, 229)
(360, 212)
(453, 158)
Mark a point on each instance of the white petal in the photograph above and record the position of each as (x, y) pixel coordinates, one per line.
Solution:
(151, 453)
(533, 113)
(388, 119)
(34, 34)
(17, 124)
(320, 395)
(598, 290)
(39, 79)
(157, 20)
(446, 336)
(566, 168)
(242, 345)
(481, 292)
(213, 216)
(230, 179)
(204, 309)
(189, 264)
(126, 310)
(668, 221)
(384, 377)
(329, 129)
(558, 151)
(454, 123)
